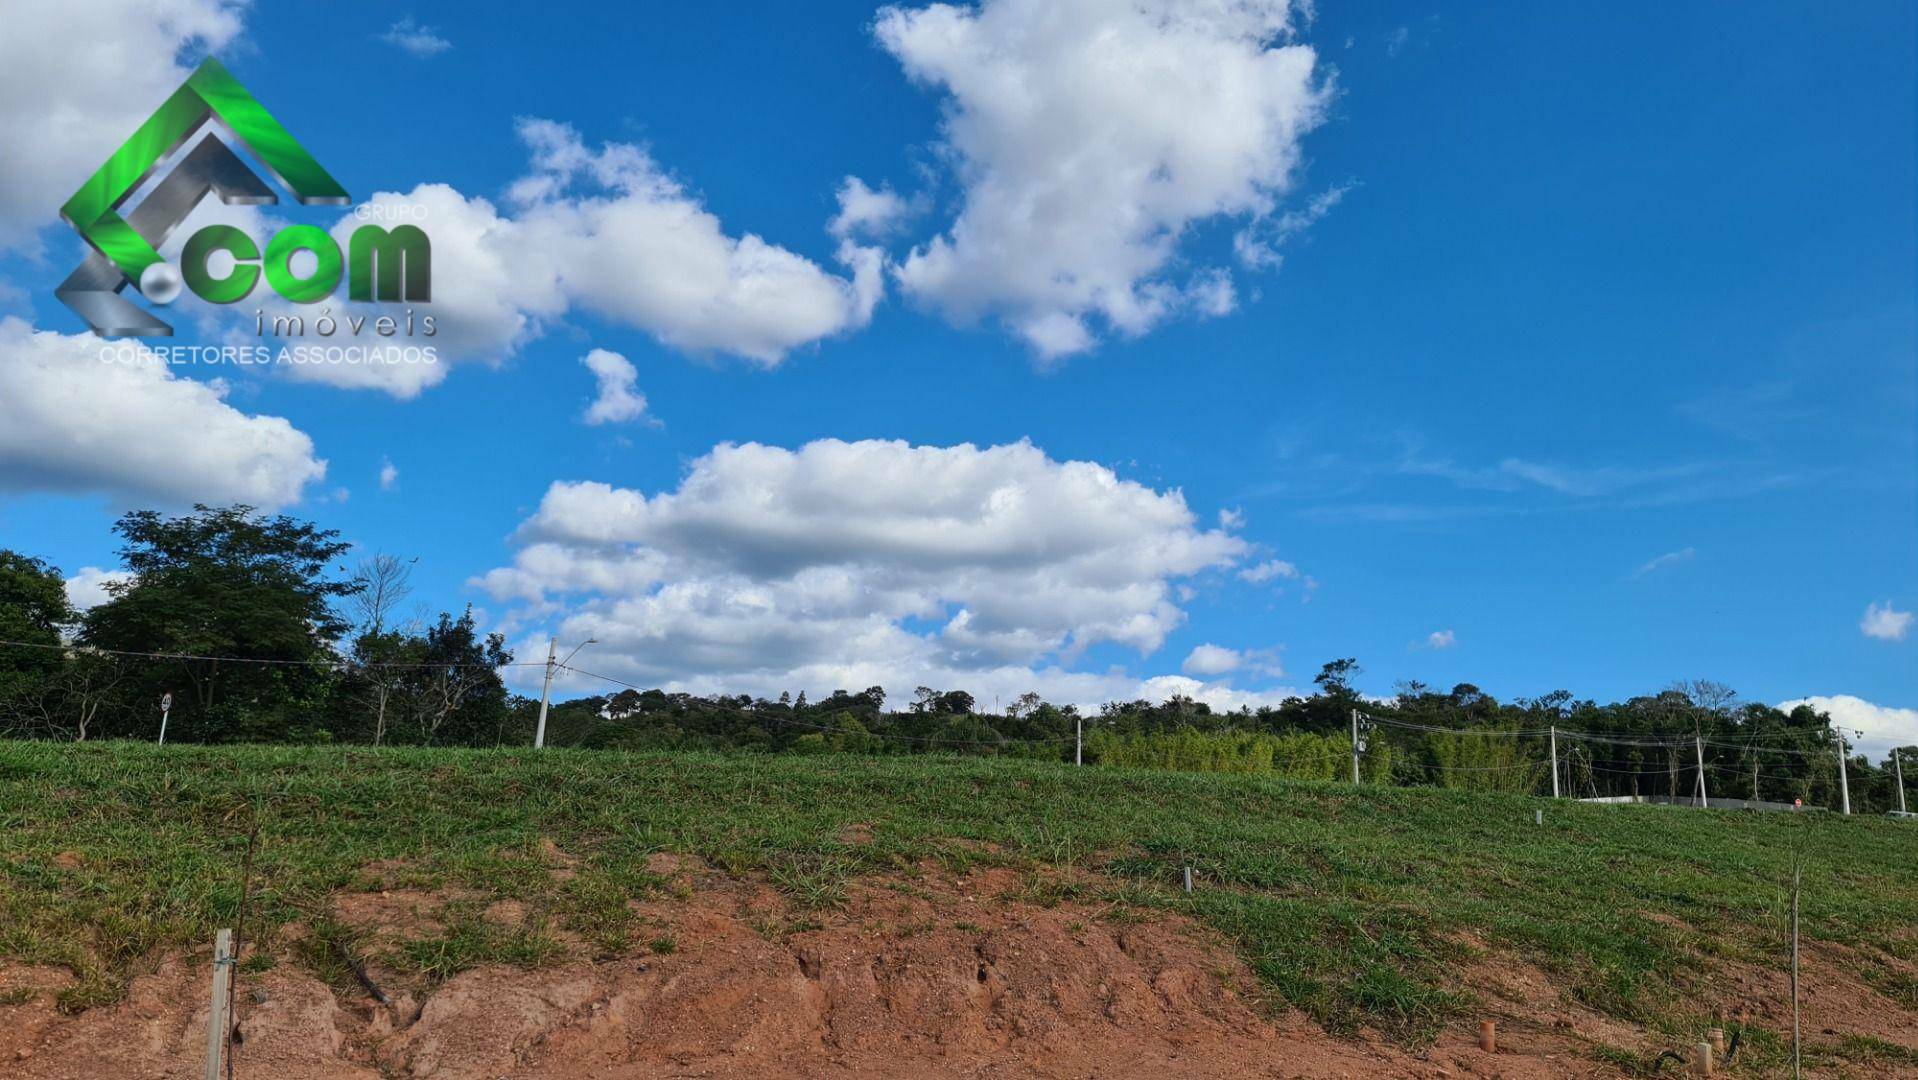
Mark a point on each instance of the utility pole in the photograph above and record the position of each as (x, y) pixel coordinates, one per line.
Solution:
(1844, 784)
(1078, 740)
(546, 691)
(553, 664)
(1704, 797)
(1898, 766)
(1554, 761)
(1356, 746)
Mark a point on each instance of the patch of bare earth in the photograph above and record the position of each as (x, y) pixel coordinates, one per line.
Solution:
(933, 975)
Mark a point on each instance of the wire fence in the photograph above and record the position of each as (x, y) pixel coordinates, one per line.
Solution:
(1421, 755)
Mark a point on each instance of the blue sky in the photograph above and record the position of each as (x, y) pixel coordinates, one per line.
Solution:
(1603, 357)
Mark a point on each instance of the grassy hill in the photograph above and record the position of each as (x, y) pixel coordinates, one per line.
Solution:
(1357, 906)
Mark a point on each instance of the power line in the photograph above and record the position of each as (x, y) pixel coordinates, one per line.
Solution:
(1411, 726)
(331, 664)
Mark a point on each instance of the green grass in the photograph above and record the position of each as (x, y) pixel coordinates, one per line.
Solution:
(1353, 905)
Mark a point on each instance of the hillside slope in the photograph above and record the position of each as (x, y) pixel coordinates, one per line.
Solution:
(570, 913)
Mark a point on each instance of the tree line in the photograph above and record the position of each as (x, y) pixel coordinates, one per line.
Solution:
(262, 631)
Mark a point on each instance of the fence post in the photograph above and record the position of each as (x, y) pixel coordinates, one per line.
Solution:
(216, 1019)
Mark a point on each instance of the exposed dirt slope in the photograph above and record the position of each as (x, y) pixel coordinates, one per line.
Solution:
(933, 976)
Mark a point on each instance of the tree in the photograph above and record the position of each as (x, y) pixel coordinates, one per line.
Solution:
(451, 687)
(66, 703)
(33, 611)
(383, 582)
(1335, 678)
(227, 582)
(1024, 705)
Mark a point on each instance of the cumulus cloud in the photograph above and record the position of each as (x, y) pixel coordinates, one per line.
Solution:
(1440, 639)
(421, 41)
(1089, 138)
(866, 212)
(76, 80)
(1882, 726)
(389, 475)
(605, 230)
(1213, 660)
(1210, 659)
(87, 589)
(71, 422)
(619, 399)
(1884, 622)
(1269, 570)
(849, 564)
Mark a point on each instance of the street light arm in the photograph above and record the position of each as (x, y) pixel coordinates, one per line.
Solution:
(576, 649)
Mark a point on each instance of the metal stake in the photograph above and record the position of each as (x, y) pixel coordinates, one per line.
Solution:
(216, 1033)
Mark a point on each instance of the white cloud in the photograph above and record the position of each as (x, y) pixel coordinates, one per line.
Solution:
(88, 588)
(1440, 639)
(1231, 517)
(1884, 622)
(1221, 696)
(1210, 659)
(609, 232)
(636, 247)
(389, 475)
(866, 212)
(71, 422)
(1257, 245)
(619, 399)
(492, 293)
(1883, 726)
(1269, 570)
(1669, 559)
(852, 564)
(75, 80)
(421, 41)
(1089, 138)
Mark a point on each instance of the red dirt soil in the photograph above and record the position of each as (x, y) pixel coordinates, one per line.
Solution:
(939, 975)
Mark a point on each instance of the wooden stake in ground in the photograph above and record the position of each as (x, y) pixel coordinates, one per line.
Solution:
(239, 939)
(216, 1019)
(1797, 881)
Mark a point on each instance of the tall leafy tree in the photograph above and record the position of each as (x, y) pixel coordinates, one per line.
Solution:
(33, 611)
(450, 688)
(227, 582)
